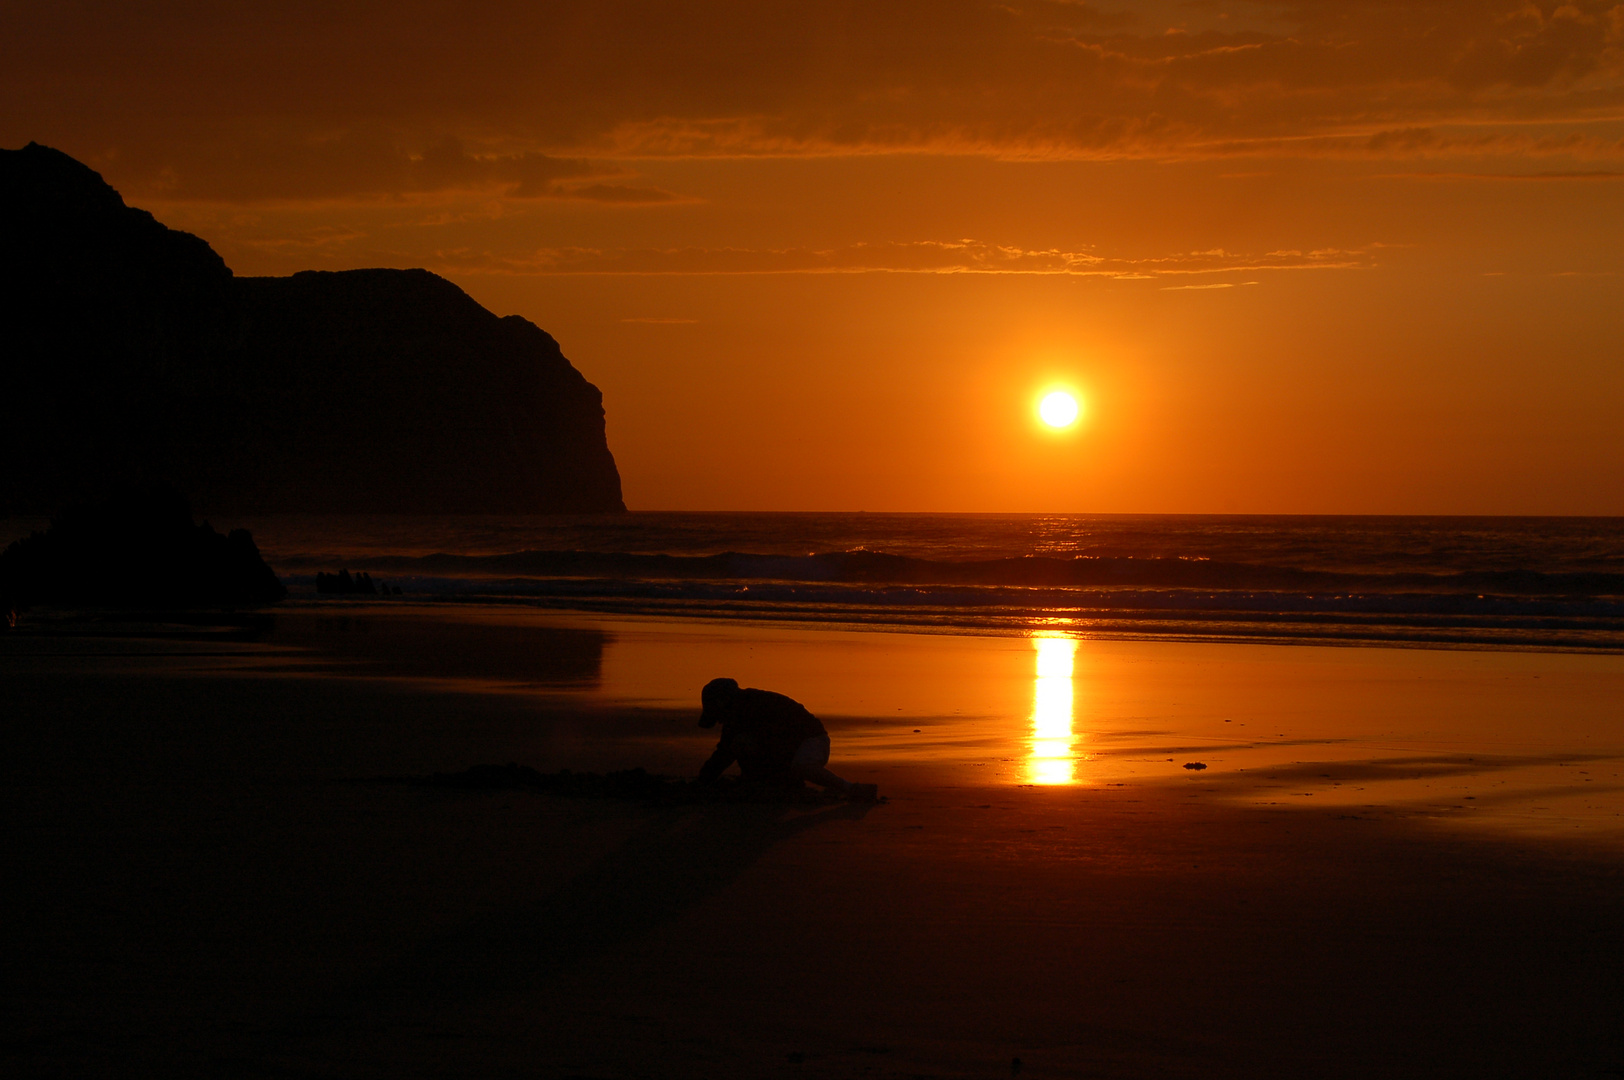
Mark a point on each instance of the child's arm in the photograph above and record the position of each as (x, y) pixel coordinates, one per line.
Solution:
(718, 761)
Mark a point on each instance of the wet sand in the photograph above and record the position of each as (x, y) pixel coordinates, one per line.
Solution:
(203, 877)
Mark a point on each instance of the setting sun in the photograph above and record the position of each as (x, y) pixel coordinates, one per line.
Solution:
(1058, 409)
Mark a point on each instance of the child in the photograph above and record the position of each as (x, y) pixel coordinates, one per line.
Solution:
(774, 739)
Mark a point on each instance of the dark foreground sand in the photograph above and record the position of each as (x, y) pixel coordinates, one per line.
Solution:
(200, 881)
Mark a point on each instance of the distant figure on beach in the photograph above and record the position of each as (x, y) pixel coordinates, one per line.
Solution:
(774, 739)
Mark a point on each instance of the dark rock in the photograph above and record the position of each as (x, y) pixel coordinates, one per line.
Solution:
(131, 355)
(342, 584)
(138, 548)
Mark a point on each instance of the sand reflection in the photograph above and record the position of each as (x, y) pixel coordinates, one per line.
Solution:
(1051, 758)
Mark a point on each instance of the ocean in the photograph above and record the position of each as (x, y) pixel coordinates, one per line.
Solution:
(1518, 583)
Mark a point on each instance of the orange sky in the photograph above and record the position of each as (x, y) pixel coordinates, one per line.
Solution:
(1330, 256)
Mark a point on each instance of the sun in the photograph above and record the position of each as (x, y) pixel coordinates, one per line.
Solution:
(1058, 409)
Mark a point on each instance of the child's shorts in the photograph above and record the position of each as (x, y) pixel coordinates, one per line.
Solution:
(813, 753)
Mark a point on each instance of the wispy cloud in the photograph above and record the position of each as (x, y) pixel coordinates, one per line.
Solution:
(1214, 285)
(1596, 174)
(919, 257)
(353, 166)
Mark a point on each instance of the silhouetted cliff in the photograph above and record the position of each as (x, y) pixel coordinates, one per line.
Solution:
(130, 354)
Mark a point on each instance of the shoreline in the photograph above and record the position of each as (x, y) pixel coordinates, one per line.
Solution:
(1521, 583)
(1015, 626)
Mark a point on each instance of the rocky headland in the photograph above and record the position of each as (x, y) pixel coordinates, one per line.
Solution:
(133, 356)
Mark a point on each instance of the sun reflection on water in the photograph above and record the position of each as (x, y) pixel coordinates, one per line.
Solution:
(1051, 759)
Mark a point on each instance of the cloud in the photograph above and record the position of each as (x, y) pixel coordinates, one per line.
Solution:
(347, 166)
(300, 100)
(312, 239)
(1214, 285)
(617, 193)
(919, 257)
(1593, 174)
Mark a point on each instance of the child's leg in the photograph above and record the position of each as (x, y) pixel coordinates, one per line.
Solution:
(810, 761)
(825, 778)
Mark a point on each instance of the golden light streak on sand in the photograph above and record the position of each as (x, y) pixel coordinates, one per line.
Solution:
(1051, 757)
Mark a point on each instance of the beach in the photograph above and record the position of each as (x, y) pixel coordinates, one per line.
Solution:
(1394, 862)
